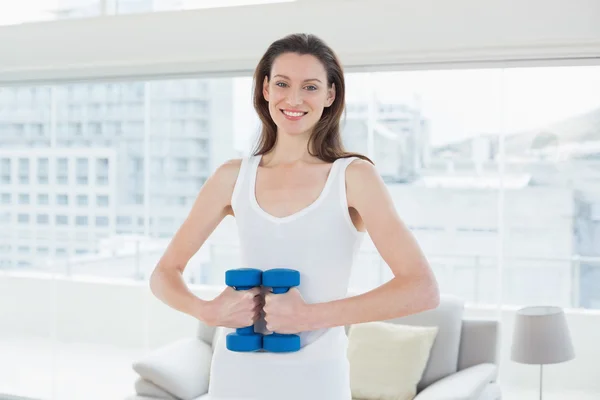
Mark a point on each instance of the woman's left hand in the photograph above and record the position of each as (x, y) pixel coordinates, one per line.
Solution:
(286, 312)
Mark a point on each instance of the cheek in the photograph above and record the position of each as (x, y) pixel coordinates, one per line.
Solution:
(316, 100)
(276, 96)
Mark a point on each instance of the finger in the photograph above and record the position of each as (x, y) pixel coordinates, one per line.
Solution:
(259, 302)
(257, 316)
(250, 293)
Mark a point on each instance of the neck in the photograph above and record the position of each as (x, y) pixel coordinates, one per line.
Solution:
(289, 150)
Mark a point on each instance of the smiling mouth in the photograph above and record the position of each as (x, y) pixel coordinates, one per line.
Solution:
(294, 114)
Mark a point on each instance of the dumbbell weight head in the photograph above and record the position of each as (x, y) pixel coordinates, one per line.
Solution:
(280, 280)
(243, 278)
(244, 339)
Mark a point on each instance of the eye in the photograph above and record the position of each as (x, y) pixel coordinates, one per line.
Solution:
(281, 84)
(312, 87)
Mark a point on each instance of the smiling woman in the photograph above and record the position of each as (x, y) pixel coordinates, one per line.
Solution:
(302, 202)
(299, 91)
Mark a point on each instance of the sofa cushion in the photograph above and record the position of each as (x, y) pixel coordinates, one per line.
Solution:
(467, 384)
(491, 392)
(205, 332)
(443, 359)
(387, 360)
(181, 368)
(149, 389)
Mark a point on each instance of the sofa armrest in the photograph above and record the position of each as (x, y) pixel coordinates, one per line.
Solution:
(467, 384)
(181, 368)
(478, 342)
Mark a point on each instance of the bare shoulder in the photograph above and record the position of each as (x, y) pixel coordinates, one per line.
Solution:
(229, 168)
(360, 173)
(222, 183)
(225, 175)
(361, 169)
(363, 181)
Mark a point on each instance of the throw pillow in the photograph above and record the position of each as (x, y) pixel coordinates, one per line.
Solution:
(181, 368)
(387, 360)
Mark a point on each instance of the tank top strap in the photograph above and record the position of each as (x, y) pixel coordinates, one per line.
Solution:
(341, 169)
(340, 180)
(242, 181)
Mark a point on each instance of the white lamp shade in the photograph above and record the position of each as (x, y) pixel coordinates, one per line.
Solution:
(541, 336)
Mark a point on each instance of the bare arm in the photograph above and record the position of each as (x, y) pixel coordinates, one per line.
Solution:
(413, 288)
(210, 207)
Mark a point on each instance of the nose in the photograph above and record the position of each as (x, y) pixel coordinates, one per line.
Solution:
(294, 98)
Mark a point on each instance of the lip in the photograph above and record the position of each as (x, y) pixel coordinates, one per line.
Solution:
(293, 118)
(296, 111)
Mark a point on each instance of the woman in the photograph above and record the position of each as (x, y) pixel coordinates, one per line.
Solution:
(301, 202)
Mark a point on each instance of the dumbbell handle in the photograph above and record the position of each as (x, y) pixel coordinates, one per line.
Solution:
(247, 330)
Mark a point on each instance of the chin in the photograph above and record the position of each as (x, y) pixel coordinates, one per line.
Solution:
(295, 131)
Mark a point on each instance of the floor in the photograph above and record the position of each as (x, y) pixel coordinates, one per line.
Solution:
(30, 368)
(35, 369)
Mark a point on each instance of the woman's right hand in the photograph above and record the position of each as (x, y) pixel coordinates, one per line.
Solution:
(235, 308)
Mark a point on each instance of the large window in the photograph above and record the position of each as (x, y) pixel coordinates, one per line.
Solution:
(495, 171)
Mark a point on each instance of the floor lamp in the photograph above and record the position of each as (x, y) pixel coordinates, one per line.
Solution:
(541, 336)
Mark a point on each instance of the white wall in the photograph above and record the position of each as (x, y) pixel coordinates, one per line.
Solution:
(366, 34)
(125, 314)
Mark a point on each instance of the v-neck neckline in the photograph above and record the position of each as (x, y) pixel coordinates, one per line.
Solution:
(297, 214)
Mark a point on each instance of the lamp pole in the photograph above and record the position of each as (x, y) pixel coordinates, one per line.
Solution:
(541, 374)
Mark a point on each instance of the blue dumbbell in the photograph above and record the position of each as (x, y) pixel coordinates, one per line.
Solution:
(281, 280)
(244, 339)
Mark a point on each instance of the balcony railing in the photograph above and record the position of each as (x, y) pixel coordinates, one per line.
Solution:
(572, 282)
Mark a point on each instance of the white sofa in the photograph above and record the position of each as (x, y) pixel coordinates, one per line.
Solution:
(462, 364)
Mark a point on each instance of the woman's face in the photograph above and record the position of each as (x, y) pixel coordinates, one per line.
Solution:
(297, 93)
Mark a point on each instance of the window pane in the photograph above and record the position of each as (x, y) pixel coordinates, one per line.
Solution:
(553, 118)
(82, 200)
(62, 199)
(27, 305)
(405, 122)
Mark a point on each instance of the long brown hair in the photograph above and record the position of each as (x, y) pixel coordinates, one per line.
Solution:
(325, 138)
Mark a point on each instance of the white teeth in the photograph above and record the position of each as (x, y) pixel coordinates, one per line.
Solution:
(293, 114)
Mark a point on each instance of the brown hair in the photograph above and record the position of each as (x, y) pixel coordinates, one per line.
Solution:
(326, 136)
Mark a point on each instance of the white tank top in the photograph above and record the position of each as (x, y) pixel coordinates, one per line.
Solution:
(320, 240)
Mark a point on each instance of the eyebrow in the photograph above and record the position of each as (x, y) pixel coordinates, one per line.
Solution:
(306, 80)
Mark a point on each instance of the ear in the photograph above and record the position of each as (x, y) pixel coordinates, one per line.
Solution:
(266, 88)
(330, 95)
